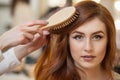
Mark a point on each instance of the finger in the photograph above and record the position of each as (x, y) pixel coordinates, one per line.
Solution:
(25, 41)
(43, 42)
(46, 32)
(40, 32)
(28, 36)
(40, 39)
(37, 22)
(33, 30)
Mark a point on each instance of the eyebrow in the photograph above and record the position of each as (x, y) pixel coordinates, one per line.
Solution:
(92, 33)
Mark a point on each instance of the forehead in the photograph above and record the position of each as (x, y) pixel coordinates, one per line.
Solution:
(92, 26)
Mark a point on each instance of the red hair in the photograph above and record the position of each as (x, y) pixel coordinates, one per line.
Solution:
(57, 64)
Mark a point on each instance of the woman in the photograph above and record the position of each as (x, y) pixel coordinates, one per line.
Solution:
(86, 52)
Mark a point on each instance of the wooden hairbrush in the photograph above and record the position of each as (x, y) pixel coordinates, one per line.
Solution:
(61, 20)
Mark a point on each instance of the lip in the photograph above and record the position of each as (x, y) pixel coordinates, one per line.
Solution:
(88, 57)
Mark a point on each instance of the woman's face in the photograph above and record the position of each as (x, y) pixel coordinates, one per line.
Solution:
(88, 44)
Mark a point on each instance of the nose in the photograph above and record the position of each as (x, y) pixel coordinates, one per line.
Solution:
(88, 46)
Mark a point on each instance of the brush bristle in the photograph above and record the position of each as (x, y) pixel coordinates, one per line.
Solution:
(65, 25)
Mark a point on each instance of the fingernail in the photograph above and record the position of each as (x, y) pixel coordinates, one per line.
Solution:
(46, 32)
(46, 22)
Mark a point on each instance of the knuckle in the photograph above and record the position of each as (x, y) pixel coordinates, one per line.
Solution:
(21, 35)
(22, 38)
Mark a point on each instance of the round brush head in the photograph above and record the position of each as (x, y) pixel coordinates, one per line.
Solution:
(61, 20)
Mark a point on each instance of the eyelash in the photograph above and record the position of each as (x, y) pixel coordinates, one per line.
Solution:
(81, 37)
(78, 37)
(97, 37)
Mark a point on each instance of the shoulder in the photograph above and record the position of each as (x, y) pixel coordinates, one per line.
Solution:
(116, 76)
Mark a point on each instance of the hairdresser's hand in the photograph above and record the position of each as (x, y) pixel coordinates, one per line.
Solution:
(38, 41)
(20, 35)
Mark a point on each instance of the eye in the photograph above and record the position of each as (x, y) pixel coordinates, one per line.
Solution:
(78, 37)
(97, 37)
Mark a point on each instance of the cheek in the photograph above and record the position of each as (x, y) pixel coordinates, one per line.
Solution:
(75, 49)
(101, 50)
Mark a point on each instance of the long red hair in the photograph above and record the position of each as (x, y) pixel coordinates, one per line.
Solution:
(56, 62)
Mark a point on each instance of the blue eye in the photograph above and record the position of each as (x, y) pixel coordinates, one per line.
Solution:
(97, 37)
(78, 37)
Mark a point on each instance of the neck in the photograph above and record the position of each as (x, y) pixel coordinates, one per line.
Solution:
(96, 73)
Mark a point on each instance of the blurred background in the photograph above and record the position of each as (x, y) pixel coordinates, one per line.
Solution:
(16, 12)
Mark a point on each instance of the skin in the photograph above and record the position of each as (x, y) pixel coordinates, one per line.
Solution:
(88, 48)
(25, 38)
